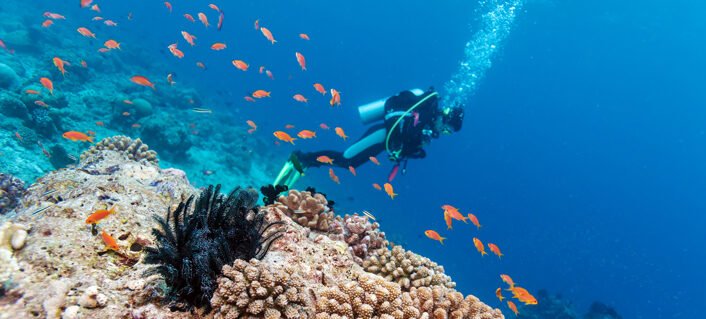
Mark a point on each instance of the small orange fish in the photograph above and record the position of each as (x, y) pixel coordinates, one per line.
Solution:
(269, 74)
(188, 37)
(251, 124)
(523, 295)
(335, 98)
(189, 17)
(453, 211)
(110, 23)
(19, 137)
(260, 94)
(333, 176)
(495, 249)
(175, 51)
(112, 44)
(474, 220)
(141, 80)
(99, 215)
(47, 84)
(341, 133)
(214, 7)
(201, 65)
(324, 159)
(47, 23)
(249, 99)
(97, 19)
(218, 46)
(41, 103)
(283, 136)
(126, 113)
(203, 19)
(33, 92)
(352, 170)
(304, 36)
(389, 190)
(84, 64)
(320, 88)
(86, 33)
(86, 3)
(300, 98)
(288, 126)
(59, 63)
(448, 220)
(301, 60)
(100, 123)
(77, 137)
(435, 236)
(240, 65)
(374, 160)
(479, 246)
(266, 32)
(324, 126)
(96, 8)
(109, 241)
(306, 134)
(499, 294)
(377, 186)
(512, 307)
(168, 5)
(54, 16)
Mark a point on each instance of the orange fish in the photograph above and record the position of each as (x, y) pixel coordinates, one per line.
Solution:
(47, 84)
(300, 98)
(168, 5)
(320, 88)
(19, 137)
(333, 176)
(188, 37)
(304, 36)
(523, 295)
(218, 46)
(262, 69)
(324, 159)
(240, 65)
(84, 64)
(352, 170)
(251, 124)
(59, 63)
(257, 24)
(435, 236)
(324, 126)
(377, 186)
(112, 44)
(499, 294)
(54, 16)
(301, 60)
(306, 134)
(86, 33)
(260, 94)
(100, 123)
(341, 133)
(374, 160)
(203, 19)
(335, 98)
(249, 99)
(47, 23)
(96, 8)
(141, 80)
(269, 74)
(479, 246)
(77, 136)
(97, 19)
(201, 65)
(214, 7)
(266, 32)
(189, 17)
(41, 103)
(175, 51)
(288, 126)
(448, 220)
(86, 3)
(126, 113)
(109, 241)
(455, 214)
(389, 190)
(495, 249)
(99, 215)
(474, 220)
(512, 307)
(110, 23)
(33, 92)
(283, 136)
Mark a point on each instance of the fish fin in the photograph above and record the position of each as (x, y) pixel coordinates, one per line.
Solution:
(90, 139)
(441, 240)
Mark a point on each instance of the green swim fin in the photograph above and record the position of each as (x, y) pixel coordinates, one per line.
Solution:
(290, 172)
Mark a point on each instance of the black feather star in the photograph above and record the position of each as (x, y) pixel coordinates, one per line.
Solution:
(193, 247)
(270, 193)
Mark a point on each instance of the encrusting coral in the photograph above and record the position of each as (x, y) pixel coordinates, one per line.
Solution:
(252, 289)
(307, 209)
(11, 190)
(407, 268)
(134, 149)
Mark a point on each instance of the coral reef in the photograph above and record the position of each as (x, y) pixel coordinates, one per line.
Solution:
(8, 77)
(555, 306)
(12, 106)
(361, 235)
(407, 268)
(193, 247)
(252, 289)
(11, 191)
(166, 135)
(601, 311)
(134, 149)
(307, 209)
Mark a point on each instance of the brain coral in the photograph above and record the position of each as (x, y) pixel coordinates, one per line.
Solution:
(134, 149)
(407, 268)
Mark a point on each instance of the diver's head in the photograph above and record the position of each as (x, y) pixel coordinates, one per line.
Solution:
(450, 120)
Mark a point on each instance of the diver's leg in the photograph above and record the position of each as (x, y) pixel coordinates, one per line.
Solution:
(371, 144)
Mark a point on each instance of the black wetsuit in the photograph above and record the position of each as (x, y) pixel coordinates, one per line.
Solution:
(406, 141)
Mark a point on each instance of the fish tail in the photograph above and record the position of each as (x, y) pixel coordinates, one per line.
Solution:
(90, 139)
(441, 240)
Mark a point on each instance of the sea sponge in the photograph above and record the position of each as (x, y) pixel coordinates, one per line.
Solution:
(11, 191)
(407, 268)
(361, 235)
(307, 209)
(368, 296)
(8, 77)
(251, 289)
(134, 149)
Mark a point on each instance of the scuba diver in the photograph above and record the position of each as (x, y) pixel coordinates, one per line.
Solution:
(407, 122)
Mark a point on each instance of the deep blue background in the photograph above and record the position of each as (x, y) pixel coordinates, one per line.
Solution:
(582, 152)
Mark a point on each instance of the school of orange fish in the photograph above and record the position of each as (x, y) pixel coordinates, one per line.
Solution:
(452, 213)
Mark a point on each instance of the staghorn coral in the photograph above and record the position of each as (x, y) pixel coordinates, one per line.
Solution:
(361, 235)
(11, 190)
(407, 268)
(133, 149)
(252, 289)
(193, 247)
(307, 210)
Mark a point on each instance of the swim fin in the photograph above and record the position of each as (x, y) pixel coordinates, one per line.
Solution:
(290, 172)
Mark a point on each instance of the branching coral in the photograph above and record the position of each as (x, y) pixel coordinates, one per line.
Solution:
(441, 302)
(361, 235)
(133, 149)
(307, 210)
(193, 247)
(252, 289)
(11, 190)
(407, 268)
(367, 297)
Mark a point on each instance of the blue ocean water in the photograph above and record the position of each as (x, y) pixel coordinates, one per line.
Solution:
(582, 151)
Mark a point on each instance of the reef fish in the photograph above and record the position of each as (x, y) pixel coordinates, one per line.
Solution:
(333, 176)
(283, 136)
(189, 17)
(435, 236)
(112, 44)
(175, 51)
(300, 98)
(306, 134)
(201, 110)
(374, 160)
(323, 126)
(453, 211)
(86, 3)
(86, 33)
(260, 94)
(109, 241)
(341, 133)
(523, 295)
(77, 136)
(141, 80)
(352, 170)
(47, 23)
(168, 5)
(99, 215)
(214, 7)
(204, 19)
(59, 63)
(474, 220)
(266, 32)
(499, 294)
(48, 84)
(508, 280)
(389, 190)
(448, 220)
(54, 16)
(479, 246)
(304, 36)
(188, 37)
(218, 46)
(324, 159)
(320, 88)
(240, 65)
(335, 98)
(377, 186)
(301, 60)
(495, 249)
(221, 17)
(512, 307)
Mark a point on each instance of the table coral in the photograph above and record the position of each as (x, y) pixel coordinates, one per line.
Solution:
(407, 268)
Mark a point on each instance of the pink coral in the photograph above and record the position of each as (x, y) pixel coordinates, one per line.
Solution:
(361, 235)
